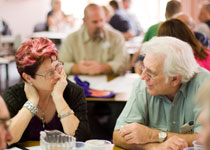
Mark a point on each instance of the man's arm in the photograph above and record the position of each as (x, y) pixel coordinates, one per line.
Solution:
(91, 68)
(172, 143)
(132, 134)
(120, 57)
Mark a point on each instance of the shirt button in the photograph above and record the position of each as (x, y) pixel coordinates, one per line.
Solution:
(174, 122)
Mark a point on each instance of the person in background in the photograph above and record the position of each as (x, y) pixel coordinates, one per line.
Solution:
(120, 21)
(5, 134)
(94, 48)
(173, 7)
(135, 25)
(180, 30)
(46, 100)
(204, 17)
(201, 37)
(56, 19)
(162, 101)
(108, 13)
(203, 98)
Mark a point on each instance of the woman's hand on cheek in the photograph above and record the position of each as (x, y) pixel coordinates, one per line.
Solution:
(59, 86)
(31, 93)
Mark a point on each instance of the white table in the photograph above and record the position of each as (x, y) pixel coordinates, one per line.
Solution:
(121, 85)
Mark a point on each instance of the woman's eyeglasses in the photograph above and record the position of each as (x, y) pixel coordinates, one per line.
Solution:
(51, 73)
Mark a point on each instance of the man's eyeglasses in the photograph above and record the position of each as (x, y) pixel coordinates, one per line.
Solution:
(51, 73)
(143, 69)
(6, 123)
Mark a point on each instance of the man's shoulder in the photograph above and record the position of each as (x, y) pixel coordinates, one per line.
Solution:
(75, 35)
(154, 27)
(151, 32)
(201, 76)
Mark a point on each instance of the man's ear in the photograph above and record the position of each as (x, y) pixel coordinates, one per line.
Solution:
(176, 80)
(26, 77)
(84, 20)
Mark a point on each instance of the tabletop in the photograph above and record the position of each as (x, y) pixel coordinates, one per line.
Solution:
(120, 85)
(34, 145)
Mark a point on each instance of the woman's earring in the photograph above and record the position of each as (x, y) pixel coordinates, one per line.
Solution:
(31, 83)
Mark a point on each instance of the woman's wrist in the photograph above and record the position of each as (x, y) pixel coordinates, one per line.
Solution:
(31, 107)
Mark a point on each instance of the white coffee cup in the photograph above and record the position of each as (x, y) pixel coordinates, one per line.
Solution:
(98, 145)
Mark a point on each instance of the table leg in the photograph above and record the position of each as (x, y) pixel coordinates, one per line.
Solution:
(7, 75)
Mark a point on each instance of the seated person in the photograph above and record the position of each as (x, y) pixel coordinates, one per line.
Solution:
(5, 134)
(173, 7)
(46, 100)
(180, 30)
(120, 21)
(204, 18)
(94, 49)
(203, 98)
(57, 20)
(162, 101)
(135, 24)
(201, 37)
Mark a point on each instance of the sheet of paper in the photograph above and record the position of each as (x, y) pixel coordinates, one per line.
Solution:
(122, 84)
(95, 82)
(118, 84)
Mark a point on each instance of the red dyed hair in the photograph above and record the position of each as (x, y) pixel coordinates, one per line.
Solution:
(31, 54)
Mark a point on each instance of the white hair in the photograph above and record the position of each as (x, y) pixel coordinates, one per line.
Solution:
(179, 58)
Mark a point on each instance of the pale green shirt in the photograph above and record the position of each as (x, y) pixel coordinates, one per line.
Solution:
(78, 46)
(158, 112)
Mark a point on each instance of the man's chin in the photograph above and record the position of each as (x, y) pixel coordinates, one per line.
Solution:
(151, 92)
(99, 35)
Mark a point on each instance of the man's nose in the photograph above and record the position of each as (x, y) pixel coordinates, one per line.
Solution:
(100, 24)
(144, 76)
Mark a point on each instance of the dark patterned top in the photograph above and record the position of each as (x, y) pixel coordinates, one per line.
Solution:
(15, 98)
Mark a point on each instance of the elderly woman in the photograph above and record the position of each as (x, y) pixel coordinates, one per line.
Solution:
(178, 29)
(46, 100)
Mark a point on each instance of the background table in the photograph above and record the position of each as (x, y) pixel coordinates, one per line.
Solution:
(103, 112)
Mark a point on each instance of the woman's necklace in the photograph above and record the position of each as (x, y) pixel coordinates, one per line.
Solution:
(43, 119)
(43, 114)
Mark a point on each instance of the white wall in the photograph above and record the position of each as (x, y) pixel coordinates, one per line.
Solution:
(22, 15)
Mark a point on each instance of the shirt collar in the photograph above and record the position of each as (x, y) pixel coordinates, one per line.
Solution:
(86, 35)
(182, 89)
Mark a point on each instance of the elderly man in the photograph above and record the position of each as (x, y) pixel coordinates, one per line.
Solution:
(5, 135)
(160, 113)
(203, 98)
(94, 49)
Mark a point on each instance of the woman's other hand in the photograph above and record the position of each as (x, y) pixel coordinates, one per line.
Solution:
(59, 86)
